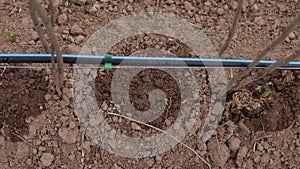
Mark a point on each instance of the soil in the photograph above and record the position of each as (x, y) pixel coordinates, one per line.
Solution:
(41, 130)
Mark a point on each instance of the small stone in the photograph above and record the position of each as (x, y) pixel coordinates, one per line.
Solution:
(115, 119)
(266, 145)
(79, 39)
(202, 149)
(260, 147)
(234, 144)
(242, 152)
(256, 158)
(42, 149)
(62, 19)
(86, 145)
(95, 7)
(218, 151)
(104, 106)
(73, 49)
(245, 5)
(207, 3)
(220, 11)
(135, 126)
(255, 7)
(68, 136)
(265, 158)
(56, 2)
(259, 20)
(47, 159)
(234, 5)
(241, 155)
(169, 2)
(188, 6)
(287, 40)
(72, 125)
(48, 97)
(76, 30)
(32, 42)
(292, 36)
(34, 35)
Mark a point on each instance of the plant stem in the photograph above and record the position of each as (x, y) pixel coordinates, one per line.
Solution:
(233, 27)
(35, 7)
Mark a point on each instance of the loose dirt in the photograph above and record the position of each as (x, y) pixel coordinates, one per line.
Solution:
(41, 130)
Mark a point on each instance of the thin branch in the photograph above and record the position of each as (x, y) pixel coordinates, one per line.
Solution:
(269, 69)
(233, 27)
(38, 29)
(291, 27)
(54, 67)
(160, 130)
(34, 6)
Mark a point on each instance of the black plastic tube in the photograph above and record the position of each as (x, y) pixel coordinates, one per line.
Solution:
(142, 61)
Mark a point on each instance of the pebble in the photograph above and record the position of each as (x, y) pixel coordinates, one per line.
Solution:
(47, 159)
(34, 35)
(135, 126)
(169, 2)
(48, 97)
(260, 147)
(234, 144)
(218, 151)
(255, 7)
(220, 11)
(292, 36)
(259, 20)
(74, 49)
(256, 158)
(202, 148)
(76, 29)
(234, 5)
(265, 145)
(265, 158)
(86, 145)
(79, 39)
(207, 3)
(42, 149)
(115, 119)
(68, 136)
(72, 125)
(242, 152)
(62, 19)
(287, 40)
(95, 7)
(188, 6)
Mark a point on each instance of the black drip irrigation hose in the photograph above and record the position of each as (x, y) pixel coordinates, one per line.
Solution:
(134, 61)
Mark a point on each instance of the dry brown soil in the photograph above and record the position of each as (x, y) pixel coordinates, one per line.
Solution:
(41, 130)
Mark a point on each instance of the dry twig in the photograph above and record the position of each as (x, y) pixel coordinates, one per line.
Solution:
(160, 130)
(37, 11)
(233, 27)
(269, 69)
(291, 27)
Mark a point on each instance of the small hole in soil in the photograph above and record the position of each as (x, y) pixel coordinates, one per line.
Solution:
(140, 87)
(274, 112)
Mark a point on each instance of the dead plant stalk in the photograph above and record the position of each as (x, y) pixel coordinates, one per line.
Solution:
(291, 27)
(36, 11)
